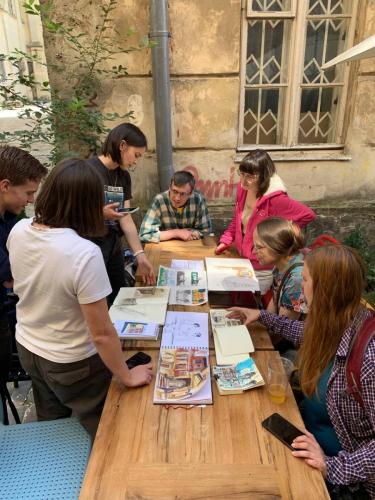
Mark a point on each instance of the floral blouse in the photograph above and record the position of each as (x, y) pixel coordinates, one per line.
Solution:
(291, 296)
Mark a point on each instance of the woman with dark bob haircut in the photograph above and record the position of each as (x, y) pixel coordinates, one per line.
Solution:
(260, 194)
(65, 338)
(340, 436)
(123, 147)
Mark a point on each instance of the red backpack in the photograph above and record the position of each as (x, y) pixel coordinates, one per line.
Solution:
(355, 357)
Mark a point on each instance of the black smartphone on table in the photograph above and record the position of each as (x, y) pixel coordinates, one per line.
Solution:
(140, 358)
(282, 429)
(127, 210)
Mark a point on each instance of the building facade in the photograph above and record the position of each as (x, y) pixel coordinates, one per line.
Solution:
(247, 74)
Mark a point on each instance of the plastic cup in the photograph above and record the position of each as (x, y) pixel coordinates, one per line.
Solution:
(278, 373)
(288, 366)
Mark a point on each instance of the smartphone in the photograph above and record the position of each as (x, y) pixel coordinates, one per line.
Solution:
(127, 210)
(140, 358)
(282, 429)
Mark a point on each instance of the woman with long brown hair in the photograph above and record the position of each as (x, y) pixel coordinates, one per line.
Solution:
(340, 435)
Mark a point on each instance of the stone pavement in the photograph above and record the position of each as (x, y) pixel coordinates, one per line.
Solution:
(23, 400)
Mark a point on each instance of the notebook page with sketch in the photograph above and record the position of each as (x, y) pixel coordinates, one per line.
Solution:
(144, 304)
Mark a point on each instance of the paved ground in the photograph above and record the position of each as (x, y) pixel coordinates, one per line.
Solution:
(24, 402)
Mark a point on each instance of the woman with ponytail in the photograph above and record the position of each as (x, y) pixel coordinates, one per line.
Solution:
(279, 242)
(340, 435)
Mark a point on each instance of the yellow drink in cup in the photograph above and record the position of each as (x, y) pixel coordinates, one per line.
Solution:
(279, 370)
(277, 393)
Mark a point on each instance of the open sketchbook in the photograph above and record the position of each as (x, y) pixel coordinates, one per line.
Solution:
(237, 378)
(231, 275)
(188, 286)
(232, 339)
(141, 304)
(183, 374)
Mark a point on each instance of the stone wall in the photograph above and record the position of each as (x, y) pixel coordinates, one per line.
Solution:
(205, 80)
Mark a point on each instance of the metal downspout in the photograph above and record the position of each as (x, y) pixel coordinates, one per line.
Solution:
(160, 70)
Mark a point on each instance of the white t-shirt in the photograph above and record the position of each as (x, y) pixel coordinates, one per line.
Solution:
(54, 271)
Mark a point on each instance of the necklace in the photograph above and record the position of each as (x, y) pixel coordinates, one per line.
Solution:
(110, 180)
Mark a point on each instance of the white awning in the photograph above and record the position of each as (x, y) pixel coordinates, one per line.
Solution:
(363, 50)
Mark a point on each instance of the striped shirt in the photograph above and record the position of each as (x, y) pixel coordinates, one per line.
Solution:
(354, 425)
(161, 216)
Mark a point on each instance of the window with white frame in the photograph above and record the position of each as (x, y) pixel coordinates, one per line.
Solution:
(287, 100)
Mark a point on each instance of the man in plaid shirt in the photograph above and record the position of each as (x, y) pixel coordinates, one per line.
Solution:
(179, 213)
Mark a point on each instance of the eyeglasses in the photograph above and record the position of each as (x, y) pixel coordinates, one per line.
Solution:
(247, 177)
(174, 192)
(259, 248)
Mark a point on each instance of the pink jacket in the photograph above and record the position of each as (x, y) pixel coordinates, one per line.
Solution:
(275, 202)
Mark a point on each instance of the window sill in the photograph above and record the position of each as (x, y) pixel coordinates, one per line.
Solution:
(298, 155)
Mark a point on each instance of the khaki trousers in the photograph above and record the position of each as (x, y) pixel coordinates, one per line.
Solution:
(63, 389)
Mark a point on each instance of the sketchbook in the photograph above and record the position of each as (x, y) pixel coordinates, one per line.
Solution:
(237, 378)
(231, 275)
(183, 374)
(136, 330)
(232, 339)
(141, 304)
(188, 286)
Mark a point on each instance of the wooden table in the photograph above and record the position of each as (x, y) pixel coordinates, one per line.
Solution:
(146, 451)
(162, 254)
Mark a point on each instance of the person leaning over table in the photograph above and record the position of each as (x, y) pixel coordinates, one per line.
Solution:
(279, 242)
(123, 147)
(20, 175)
(179, 213)
(260, 194)
(65, 338)
(340, 436)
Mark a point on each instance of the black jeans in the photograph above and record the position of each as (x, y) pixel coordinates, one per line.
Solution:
(5, 345)
(111, 248)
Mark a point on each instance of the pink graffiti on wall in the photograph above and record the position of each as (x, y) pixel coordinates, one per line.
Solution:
(223, 188)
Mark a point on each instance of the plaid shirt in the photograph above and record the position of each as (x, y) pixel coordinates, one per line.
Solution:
(354, 425)
(161, 216)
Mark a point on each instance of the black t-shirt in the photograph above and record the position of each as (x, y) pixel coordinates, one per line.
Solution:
(117, 185)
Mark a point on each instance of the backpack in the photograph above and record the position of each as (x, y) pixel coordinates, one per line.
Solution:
(355, 356)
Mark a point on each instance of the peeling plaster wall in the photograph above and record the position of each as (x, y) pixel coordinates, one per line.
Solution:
(205, 65)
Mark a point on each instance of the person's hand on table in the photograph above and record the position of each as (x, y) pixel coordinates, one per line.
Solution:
(307, 447)
(139, 375)
(145, 269)
(246, 315)
(195, 235)
(184, 234)
(221, 248)
(110, 212)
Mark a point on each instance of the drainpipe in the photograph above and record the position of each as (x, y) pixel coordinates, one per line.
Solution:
(161, 82)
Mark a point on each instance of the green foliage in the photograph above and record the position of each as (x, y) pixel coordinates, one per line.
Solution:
(71, 122)
(357, 240)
